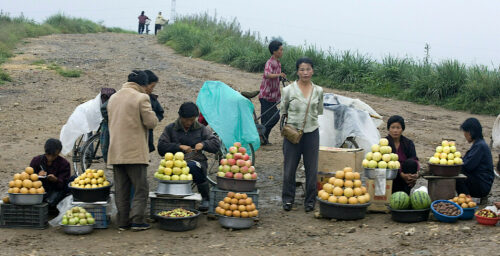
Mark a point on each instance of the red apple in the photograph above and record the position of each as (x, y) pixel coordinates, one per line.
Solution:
(238, 176)
(242, 150)
(235, 168)
(238, 156)
(231, 162)
(246, 157)
(244, 169)
(240, 163)
(254, 175)
(248, 163)
(226, 168)
(237, 144)
(229, 156)
(247, 176)
(233, 150)
(223, 161)
(221, 174)
(229, 174)
(251, 169)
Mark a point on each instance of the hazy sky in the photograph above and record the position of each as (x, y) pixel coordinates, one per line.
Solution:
(458, 29)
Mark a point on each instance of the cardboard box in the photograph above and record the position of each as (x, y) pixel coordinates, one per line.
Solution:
(323, 178)
(379, 203)
(333, 159)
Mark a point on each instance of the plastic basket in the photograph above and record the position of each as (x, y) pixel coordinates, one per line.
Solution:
(468, 213)
(98, 211)
(342, 211)
(445, 218)
(24, 216)
(217, 195)
(158, 204)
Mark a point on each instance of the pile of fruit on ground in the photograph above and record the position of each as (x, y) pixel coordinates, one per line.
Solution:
(77, 216)
(237, 205)
(173, 167)
(91, 178)
(381, 157)
(237, 164)
(345, 188)
(26, 182)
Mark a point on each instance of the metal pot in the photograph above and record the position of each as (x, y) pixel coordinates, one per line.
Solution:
(78, 229)
(390, 174)
(235, 223)
(175, 188)
(25, 199)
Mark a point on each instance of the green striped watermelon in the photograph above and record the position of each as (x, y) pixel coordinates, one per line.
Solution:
(420, 200)
(400, 201)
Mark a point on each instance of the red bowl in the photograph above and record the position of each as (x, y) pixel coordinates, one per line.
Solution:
(486, 221)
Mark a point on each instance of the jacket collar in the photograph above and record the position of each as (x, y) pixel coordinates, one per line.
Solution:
(178, 125)
(134, 86)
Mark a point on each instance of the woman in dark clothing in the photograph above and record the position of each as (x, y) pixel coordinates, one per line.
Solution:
(155, 104)
(405, 149)
(478, 162)
(192, 138)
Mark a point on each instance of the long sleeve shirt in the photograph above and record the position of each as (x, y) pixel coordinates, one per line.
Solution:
(294, 105)
(59, 168)
(478, 163)
(270, 87)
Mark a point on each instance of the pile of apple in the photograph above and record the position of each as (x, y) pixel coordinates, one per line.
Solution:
(381, 157)
(237, 205)
(77, 216)
(26, 182)
(446, 154)
(91, 178)
(173, 167)
(237, 164)
(345, 188)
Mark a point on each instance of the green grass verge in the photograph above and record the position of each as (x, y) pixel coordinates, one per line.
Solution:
(14, 29)
(449, 83)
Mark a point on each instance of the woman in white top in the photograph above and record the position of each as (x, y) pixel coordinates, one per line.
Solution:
(294, 106)
(159, 22)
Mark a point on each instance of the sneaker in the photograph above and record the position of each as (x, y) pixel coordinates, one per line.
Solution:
(287, 207)
(140, 227)
(123, 228)
(309, 208)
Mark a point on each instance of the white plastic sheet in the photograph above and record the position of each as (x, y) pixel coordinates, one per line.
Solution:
(84, 119)
(67, 203)
(345, 117)
(495, 134)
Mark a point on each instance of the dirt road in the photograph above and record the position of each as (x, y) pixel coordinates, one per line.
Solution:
(36, 105)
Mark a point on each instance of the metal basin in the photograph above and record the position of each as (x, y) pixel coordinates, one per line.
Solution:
(175, 188)
(25, 199)
(235, 223)
(390, 174)
(77, 229)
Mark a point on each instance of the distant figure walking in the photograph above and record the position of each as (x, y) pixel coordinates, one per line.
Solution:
(148, 21)
(142, 21)
(159, 22)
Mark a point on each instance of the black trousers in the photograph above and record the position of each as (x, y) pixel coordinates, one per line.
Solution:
(472, 186)
(157, 27)
(271, 118)
(141, 28)
(308, 148)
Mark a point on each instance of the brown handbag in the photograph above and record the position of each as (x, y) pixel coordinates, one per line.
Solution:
(289, 132)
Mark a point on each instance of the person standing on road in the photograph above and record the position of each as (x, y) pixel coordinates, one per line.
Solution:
(129, 117)
(159, 22)
(155, 104)
(302, 104)
(142, 21)
(187, 135)
(270, 93)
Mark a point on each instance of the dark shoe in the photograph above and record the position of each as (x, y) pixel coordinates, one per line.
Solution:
(140, 227)
(205, 204)
(309, 208)
(287, 207)
(123, 228)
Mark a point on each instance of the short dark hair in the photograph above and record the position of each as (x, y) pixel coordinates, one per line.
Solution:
(473, 126)
(152, 78)
(53, 146)
(142, 13)
(409, 166)
(306, 60)
(138, 77)
(274, 46)
(188, 110)
(396, 119)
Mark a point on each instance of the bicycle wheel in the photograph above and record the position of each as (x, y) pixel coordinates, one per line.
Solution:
(92, 155)
(350, 142)
(214, 162)
(76, 158)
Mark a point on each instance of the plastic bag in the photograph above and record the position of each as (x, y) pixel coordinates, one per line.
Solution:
(67, 203)
(422, 188)
(85, 118)
(228, 113)
(345, 117)
(380, 182)
(495, 134)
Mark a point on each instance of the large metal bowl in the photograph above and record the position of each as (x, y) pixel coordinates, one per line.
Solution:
(445, 170)
(25, 199)
(236, 185)
(390, 174)
(174, 181)
(77, 229)
(235, 223)
(342, 211)
(175, 189)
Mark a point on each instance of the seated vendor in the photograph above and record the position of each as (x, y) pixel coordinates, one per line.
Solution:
(477, 162)
(55, 169)
(187, 135)
(405, 149)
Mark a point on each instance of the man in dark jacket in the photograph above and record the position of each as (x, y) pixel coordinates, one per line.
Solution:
(187, 135)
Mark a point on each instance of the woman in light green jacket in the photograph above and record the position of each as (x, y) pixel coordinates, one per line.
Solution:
(294, 106)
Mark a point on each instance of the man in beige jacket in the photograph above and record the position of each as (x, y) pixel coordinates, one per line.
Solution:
(130, 116)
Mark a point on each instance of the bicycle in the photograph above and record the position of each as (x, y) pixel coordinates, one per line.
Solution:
(87, 152)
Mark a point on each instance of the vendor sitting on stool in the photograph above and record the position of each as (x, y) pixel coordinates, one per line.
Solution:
(57, 171)
(478, 162)
(189, 136)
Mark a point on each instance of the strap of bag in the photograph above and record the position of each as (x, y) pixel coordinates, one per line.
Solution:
(307, 109)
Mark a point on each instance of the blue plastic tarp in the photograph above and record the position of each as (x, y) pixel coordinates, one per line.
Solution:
(228, 113)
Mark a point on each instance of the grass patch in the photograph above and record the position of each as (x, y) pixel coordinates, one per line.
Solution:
(63, 71)
(449, 83)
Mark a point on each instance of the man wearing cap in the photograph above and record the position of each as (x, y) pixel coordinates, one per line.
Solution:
(187, 135)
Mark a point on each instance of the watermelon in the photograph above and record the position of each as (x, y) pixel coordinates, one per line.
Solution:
(400, 201)
(420, 200)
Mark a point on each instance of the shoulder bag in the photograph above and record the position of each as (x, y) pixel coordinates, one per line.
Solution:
(289, 132)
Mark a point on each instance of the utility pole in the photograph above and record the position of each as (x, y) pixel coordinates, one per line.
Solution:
(172, 10)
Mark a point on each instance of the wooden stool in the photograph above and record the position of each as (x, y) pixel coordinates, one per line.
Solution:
(441, 187)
